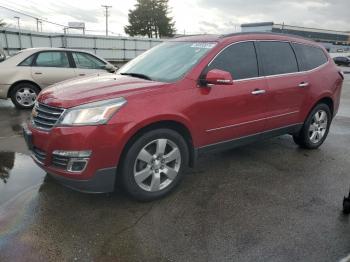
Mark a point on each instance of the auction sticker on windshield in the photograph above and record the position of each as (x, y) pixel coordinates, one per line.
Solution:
(203, 45)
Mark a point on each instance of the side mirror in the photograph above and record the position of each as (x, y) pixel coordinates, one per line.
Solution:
(218, 77)
(110, 68)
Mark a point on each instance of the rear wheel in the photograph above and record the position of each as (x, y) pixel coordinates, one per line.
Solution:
(315, 129)
(24, 95)
(153, 165)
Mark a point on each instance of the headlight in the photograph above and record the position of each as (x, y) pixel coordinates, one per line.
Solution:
(96, 113)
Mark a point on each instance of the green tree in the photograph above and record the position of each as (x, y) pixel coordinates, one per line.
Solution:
(2, 23)
(150, 18)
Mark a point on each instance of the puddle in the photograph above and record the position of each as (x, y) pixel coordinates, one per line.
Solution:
(8, 109)
(20, 180)
(18, 172)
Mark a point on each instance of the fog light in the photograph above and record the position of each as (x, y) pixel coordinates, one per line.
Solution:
(72, 161)
(77, 164)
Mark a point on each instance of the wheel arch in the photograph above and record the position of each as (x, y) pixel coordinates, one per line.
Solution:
(325, 100)
(175, 125)
(21, 82)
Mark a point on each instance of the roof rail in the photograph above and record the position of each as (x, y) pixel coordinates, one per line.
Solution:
(263, 33)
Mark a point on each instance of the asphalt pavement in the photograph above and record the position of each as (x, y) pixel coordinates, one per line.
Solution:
(268, 201)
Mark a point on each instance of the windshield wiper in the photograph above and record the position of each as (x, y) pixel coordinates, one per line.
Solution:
(137, 75)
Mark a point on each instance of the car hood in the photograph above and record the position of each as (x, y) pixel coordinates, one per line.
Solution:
(94, 88)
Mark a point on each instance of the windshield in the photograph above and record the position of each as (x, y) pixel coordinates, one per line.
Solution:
(167, 62)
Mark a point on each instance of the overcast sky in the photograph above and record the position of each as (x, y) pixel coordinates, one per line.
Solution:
(191, 16)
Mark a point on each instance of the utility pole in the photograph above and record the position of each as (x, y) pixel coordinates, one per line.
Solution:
(37, 24)
(106, 14)
(19, 31)
(17, 17)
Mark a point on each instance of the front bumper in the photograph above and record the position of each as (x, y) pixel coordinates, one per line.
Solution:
(104, 142)
(102, 182)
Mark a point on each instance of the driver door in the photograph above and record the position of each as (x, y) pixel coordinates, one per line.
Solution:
(87, 64)
(239, 109)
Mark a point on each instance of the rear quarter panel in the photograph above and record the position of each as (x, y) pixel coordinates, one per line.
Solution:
(8, 76)
(325, 83)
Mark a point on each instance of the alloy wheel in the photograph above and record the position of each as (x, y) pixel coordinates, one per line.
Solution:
(318, 126)
(157, 165)
(26, 96)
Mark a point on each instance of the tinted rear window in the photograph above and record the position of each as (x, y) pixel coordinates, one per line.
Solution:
(309, 57)
(238, 59)
(278, 58)
(52, 59)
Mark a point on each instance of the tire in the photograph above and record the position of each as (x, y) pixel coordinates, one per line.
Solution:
(315, 129)
(346, 206)
(141, 158)
(296, 140)
(23, 95)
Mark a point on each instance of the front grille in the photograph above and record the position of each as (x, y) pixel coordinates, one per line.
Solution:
(45, 116)
(39, 155)
(60, 161)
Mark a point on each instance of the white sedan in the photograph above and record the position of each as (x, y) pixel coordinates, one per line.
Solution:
(25, 74)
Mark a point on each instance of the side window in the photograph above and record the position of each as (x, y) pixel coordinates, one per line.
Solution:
(28, 61)
(278, 58)
(87, 61)
(52, 59)
(309, 57)
(238, 59)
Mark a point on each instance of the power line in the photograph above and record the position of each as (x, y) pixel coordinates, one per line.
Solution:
(106, 14)
(38, 19)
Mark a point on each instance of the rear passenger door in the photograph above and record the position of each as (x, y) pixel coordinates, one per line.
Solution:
(50, 67)
(288, 88)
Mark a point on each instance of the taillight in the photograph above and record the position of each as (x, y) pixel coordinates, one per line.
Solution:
(341, 75)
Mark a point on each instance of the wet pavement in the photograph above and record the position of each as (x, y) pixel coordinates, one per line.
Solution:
(268, 201)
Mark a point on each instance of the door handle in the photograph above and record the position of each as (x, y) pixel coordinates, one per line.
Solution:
(258, 92)
(38, 73)
(81, 74)
(304, 84)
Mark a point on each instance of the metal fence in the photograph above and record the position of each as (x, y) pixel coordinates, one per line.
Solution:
(114, 49)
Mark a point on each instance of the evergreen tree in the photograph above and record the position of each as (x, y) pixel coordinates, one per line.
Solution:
(150, 18)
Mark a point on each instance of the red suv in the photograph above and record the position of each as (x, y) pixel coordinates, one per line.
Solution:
(142, 126)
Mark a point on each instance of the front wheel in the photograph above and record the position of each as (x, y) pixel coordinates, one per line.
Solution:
(153, 164)
(315, 129)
